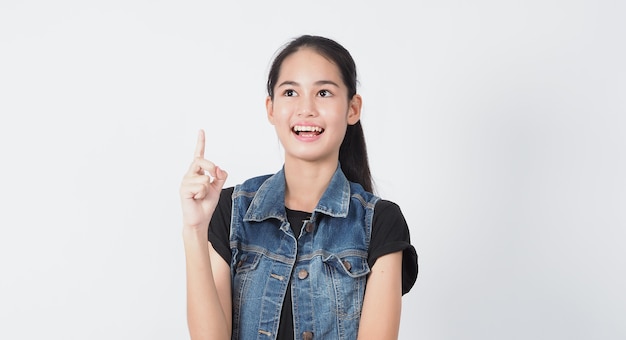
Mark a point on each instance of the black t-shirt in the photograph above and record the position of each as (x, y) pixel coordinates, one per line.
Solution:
(390, 233)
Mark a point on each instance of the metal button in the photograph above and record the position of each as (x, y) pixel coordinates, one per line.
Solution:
(302, 274)
(347, 265)
(309, 227)
(239, 264)
(307, 335)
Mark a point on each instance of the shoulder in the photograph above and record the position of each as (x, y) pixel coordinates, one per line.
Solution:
(387, 209)
(250, 186)
(254, 181)
(367, 199)
(257, 179)
(389, 221)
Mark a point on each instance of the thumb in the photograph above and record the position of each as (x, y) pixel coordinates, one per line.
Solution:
(220, 177)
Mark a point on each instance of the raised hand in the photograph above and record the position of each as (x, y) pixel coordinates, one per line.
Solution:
(200, 189)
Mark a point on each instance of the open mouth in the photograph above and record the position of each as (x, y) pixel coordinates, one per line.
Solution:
(307, 130)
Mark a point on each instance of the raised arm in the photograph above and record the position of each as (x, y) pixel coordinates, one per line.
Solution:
(208, 275)
(382, 304)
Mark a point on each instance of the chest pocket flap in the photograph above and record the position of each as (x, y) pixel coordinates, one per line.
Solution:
(352, 265)
(246, 261)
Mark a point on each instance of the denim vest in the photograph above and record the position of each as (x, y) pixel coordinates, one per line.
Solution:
(326, 263)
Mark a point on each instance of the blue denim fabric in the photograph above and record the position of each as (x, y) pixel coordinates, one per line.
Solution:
(327, 264)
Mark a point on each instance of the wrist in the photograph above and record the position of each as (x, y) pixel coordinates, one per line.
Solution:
(192, 233)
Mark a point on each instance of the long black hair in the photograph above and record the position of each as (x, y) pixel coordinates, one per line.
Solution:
(353, 151)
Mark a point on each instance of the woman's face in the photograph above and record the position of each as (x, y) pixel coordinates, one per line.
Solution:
(310, 109)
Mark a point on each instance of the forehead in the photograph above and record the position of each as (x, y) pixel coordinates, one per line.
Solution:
(308, 62)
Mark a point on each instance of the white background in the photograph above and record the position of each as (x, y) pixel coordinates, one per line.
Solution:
(497, 126)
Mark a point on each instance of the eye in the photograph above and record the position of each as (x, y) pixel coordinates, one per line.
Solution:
(325, 93)
(289, 93)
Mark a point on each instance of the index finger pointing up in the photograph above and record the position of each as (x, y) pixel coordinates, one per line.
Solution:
(200, 145)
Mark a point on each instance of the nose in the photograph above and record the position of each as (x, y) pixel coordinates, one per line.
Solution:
(307, 107)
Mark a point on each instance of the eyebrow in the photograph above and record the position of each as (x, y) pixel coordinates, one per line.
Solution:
(317, 83)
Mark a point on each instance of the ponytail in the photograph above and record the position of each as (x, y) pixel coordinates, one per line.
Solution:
(353, 157)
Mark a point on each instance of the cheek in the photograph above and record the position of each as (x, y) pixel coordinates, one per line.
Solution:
(282, 109)
(339, 114)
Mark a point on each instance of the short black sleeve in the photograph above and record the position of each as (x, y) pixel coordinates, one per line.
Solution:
(390, 233)
(219, 227)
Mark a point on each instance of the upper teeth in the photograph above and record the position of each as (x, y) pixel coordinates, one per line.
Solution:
(300, 128)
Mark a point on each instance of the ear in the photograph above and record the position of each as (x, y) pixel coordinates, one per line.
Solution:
(354, 110)
(269, 107)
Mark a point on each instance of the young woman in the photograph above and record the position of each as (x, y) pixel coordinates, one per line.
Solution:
(309, 252)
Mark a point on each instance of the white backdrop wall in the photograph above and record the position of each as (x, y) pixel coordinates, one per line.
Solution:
(497, 126)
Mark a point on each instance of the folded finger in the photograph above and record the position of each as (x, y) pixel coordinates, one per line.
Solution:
(201, 166)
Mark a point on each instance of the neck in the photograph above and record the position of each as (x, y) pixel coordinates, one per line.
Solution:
(306, 182)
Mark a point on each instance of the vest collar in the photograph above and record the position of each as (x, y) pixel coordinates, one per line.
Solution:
(269, 200)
